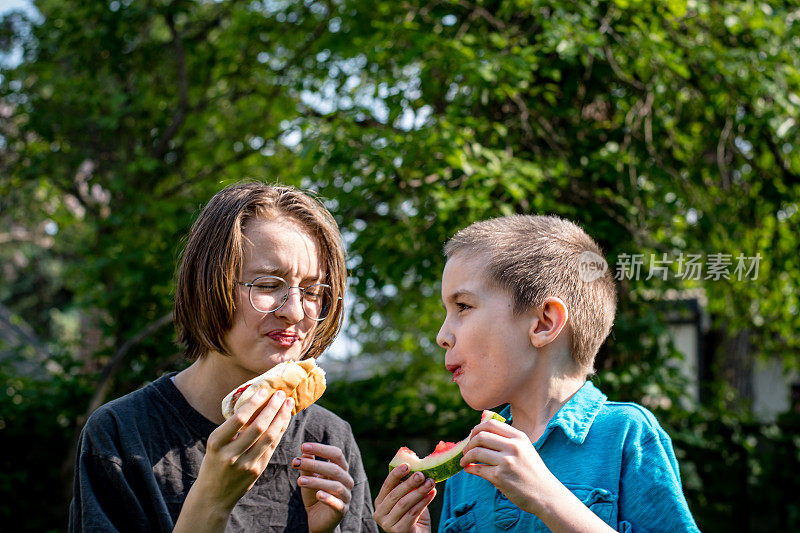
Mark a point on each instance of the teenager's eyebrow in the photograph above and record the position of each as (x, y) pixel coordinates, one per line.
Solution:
(266, 271)
(281, 273)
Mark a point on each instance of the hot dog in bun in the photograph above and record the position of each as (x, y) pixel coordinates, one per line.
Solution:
(302, 380)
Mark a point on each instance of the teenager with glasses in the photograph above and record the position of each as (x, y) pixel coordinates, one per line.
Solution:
(260, 282)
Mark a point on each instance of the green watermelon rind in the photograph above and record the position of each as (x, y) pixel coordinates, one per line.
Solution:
(438, 472)
(448, 467)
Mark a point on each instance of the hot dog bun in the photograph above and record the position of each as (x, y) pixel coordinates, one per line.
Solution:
(302, 380)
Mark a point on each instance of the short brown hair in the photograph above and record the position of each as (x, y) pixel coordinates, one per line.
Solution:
(211, 262)
(535, 257)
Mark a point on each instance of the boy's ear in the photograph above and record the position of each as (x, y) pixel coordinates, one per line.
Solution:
(548, 322)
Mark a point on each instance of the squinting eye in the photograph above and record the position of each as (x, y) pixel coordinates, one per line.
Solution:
(462, 307)
(267, 286)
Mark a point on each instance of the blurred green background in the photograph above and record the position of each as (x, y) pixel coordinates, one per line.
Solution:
(668, 129)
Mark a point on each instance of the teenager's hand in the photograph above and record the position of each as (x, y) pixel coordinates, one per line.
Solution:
(237, 453)
(509, 462)
(326, 486)
(402, 506)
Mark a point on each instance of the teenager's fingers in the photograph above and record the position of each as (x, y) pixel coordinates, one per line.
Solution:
(325, 460)
(297, 462)
(413, 514)
(331, 487)
(325, 469)
(333, 454)
(266, 430)
(407, 495)
(392, 480)
(395, 504)
(389, 500)
(307, 456)
(252, 409)
(331, 500)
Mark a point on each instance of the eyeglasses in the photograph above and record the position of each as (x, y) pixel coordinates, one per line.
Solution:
(270, 293)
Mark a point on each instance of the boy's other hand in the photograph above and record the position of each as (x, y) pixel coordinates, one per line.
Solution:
(505, 457)
(402, 506)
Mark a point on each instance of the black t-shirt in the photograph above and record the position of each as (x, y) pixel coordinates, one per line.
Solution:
(140, 454)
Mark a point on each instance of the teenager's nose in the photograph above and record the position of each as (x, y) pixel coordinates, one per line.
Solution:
(292, 310)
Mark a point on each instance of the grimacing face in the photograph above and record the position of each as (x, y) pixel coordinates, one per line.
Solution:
(258, 341)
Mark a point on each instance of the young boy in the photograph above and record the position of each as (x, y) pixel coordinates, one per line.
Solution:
(524, 322)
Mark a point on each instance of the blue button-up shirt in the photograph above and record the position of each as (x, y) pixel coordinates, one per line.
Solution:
(613, 456)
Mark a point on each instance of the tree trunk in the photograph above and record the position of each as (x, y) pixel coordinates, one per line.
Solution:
(735, 367)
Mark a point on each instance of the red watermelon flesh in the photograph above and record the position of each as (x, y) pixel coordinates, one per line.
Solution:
(442, 447)
(443, 462)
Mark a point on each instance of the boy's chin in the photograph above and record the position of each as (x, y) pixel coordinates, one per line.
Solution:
(480, 404)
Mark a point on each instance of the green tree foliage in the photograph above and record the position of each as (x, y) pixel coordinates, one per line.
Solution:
(661, 127)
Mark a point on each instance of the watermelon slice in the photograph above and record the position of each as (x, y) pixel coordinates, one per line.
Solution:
(443, 462)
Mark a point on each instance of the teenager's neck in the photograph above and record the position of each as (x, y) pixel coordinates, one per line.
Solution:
(205, 383)
(548, 392)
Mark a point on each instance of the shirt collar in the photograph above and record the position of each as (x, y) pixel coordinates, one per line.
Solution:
(575, 417)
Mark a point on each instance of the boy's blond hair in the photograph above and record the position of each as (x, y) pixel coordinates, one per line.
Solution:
(535, 257)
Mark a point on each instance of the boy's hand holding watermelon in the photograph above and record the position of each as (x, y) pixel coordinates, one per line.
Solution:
(503, 455)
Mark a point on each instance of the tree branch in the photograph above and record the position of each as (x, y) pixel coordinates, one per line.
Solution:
(633, 82)
(104, 384)
(478, 11)
(316, 34)
(723, 141)
(550, 137)
(19, 333)
(786, 172)
(118, 358)
(183, 92)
